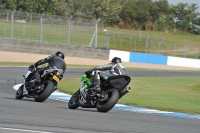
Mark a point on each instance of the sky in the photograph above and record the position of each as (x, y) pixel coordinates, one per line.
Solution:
(185, 1)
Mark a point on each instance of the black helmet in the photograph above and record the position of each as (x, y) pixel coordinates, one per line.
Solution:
(116, 60)
(60, 54)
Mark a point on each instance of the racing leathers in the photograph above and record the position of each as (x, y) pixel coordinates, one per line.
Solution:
(53, 62)
(103, 72)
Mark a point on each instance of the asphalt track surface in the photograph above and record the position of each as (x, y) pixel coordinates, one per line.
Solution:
(28, 116)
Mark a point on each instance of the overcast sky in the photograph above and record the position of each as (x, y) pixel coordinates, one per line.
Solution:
(185, 1)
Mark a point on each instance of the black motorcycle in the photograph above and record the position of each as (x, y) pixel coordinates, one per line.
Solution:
(49, 81)
(114, 88)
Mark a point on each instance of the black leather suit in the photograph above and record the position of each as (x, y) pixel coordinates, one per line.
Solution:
(106, 71)
(53, 61)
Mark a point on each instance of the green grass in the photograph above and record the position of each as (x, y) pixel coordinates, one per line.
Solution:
(179, 94)
(120, 39)
(15, 63)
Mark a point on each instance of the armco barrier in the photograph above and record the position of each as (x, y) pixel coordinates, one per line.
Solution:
(176, 61)
(148, 58)
(125, 56)
(154, 59)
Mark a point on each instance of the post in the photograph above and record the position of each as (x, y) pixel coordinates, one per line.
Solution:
(7, 16)
(161, 41)
(94, 36)
(69, 30)
(31, 18)
(12, 21)
(107, 42)
(185, 48)
(107, 38)
(135, 45)
(147, 42)
(41, 27)
(96, 31)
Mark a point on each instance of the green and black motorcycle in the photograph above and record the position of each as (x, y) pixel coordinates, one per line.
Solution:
(114, 88)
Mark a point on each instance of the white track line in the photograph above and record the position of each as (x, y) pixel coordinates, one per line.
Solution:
(23, 130)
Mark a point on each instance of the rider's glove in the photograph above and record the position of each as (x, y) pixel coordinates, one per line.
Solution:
(89, 72)
(32, 67)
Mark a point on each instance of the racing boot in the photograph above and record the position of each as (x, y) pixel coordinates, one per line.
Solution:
(100, 93)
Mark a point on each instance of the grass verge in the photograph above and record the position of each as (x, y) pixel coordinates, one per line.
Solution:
(15, 63)
(179, 94)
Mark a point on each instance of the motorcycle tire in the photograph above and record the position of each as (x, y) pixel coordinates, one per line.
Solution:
(46, 93)
(105, 106)
(74, 104)
(19, 94)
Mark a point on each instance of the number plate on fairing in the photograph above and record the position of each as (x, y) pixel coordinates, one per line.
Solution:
(56, 78)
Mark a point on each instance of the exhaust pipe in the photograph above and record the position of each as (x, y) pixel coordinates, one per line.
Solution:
(124, 91)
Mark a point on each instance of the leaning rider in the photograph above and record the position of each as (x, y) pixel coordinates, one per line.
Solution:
(54, 61)
(114, 68)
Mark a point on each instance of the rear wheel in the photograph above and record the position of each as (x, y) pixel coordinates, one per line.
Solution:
(19, 94)
(74, 101)
(46, 93)
(105, 106)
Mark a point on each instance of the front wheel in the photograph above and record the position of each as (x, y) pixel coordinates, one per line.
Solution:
(74, 101)
(105, 106)
(46, 93)
(19, 94)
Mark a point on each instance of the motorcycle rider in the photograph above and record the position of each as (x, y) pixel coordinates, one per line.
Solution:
(114, 68)
(54, 61)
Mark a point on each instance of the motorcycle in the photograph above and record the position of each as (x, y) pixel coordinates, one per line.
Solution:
(49, 81)
(114, 88)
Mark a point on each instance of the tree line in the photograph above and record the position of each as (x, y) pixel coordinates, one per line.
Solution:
(155, 15)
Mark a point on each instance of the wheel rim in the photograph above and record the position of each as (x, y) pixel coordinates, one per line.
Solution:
(109, 92)
(72, 101)
(38, 93)
(19, 91)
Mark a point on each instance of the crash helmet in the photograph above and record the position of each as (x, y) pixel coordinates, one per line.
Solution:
(60, 54)
(120, 68)
(116, 60)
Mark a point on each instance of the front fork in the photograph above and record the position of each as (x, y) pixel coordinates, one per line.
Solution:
(25, 78)
(97, 81)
